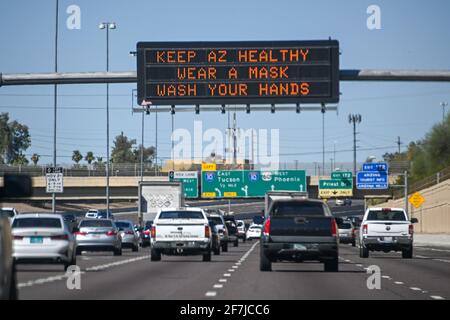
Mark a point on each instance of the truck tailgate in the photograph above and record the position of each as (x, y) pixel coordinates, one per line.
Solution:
(301, 229)
(388, 228)
(179, 230)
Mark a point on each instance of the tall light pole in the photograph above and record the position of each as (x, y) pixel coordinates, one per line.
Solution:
(107, 26)
(443, 105)
(354, 119)
(323, 138)
(55, 100)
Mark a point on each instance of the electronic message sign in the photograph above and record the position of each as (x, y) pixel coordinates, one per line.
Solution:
(248, 72)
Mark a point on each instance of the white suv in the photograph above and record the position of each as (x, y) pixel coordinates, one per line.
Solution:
(92, 214)
(386, 229)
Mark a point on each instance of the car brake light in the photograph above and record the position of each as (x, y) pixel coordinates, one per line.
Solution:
(18, 237)
(80, 233)
(365, 229)
(111, 233)
(411, 229)
(153, 232)
(333, 228)
(147, 232)
(207, 232)
(129, 232)
(60, 237)
(267, 227)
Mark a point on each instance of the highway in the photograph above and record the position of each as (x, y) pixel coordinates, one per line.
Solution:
(236, 275)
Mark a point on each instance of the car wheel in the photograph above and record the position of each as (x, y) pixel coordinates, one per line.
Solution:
(244, 239)
(354, 243)
(407, 253)
(155, 255)
(217, 250)
(331, 265)
(225, 247)
(236, 243)
(207, 256)
(13, 292)
(264, 263)
(363, 252)
(78, 252)
(135, 248)
(117, 252)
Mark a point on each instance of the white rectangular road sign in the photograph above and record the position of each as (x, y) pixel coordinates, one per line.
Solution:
(55, 183)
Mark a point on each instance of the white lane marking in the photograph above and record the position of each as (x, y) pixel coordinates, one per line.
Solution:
(437, 297)
(230, 270)
(398, 282)
(222, 280)
(432, 249)
(442, 260)
(227, 275)
(235, 267)
(211, 294)
(415, 289)
(218, 286)
(64, 276)
(421, 257)
(386, 277)
(359, 265)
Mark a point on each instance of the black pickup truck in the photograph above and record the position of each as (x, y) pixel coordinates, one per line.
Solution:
(299, 230)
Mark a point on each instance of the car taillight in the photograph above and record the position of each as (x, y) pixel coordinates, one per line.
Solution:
(129, 232)
(60, 237)
(80, 233)
(111, 233)
(153, 232)
(354, 232)
(267, 227)
(411, 229)
(147, 232)
(207, 232)
(18, 237)
(333, 228)
(365, 229)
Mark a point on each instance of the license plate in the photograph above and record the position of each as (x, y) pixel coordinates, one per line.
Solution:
(387, 239)
(299, 247)
(36, 240)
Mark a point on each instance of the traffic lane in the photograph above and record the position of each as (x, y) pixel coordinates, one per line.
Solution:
(174, 277)
(307, 280)
(427, 273)
(36, 271)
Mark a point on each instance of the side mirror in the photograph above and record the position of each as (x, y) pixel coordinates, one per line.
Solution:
(414, 220)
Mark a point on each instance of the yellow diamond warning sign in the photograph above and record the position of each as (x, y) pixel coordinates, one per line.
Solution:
(416, 200)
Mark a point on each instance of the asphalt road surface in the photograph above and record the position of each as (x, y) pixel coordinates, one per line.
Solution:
(236, 275)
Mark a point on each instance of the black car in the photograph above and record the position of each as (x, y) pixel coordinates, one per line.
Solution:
(146, 233)
(231, 224)
(215, 242)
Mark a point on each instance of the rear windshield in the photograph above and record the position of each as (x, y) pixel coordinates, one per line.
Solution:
(95, 223)
(258, 219)
(298, 209)
(344, 225)
(37, 223)
(181, 215)
(216, 220)
(255, 228)
(123, 225)
(384, 215)
(7, 213)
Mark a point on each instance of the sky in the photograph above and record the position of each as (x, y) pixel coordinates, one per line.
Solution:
(413, 35)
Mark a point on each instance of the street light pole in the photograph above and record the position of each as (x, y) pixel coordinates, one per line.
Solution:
(107, 26)
(323, 138)
(354, 119)
(55, 100)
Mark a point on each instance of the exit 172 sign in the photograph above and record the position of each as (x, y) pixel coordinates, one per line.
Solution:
(190, 182)
(250, 183)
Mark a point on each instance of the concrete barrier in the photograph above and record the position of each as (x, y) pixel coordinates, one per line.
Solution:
(434, 214)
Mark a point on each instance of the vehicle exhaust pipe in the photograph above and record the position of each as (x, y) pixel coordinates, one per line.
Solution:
(179, 250)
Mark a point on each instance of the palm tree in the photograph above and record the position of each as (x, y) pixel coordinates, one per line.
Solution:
(77, 156)
(89, 157)
(35, 158)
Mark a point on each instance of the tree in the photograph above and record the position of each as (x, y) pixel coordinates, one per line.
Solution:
(77, 156)
(35, 158)
(14, 140)
(89, 157)
(20, 160)
(122, 151)
(149, 154)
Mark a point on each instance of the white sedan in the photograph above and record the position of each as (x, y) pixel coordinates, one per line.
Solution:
(254, 232)
(43, 238)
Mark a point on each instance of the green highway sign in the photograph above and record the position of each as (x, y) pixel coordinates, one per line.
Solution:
(250, 183)
(190, 182)
(334, 184)
(338, 175)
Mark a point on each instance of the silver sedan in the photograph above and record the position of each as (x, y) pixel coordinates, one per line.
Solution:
(98, 235)
(43, 238)
(129, 236)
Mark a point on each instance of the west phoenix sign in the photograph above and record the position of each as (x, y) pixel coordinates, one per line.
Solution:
(186, 73)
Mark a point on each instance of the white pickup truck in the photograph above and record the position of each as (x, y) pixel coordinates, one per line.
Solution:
(386, 229)
(181, 231)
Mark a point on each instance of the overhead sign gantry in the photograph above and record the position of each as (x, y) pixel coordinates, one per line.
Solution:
(247, 72)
